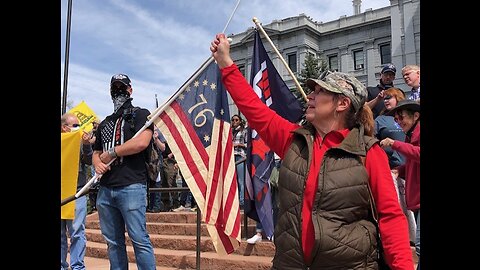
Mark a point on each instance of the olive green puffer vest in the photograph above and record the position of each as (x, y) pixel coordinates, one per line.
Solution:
(345, 238)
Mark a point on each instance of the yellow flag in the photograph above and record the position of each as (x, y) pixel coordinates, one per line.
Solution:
(85, 116)
(70, 161)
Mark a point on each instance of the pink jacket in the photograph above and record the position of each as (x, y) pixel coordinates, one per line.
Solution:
(410, 171)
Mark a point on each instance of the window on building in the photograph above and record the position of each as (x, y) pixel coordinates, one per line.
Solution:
(358, 60)
(242, 69)
(292, 62)
(385, 54)
(333, 63)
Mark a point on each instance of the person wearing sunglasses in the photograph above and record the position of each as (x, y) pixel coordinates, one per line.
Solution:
(240, 151)
(407, 115)
(122, 195)
(328, 164)
(386, 127)
(76, 228)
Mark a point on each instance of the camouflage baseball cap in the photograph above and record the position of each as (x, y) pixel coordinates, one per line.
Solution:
(341, 83)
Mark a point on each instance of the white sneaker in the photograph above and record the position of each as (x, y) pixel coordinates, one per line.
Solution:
(254, 239)
(178, 209)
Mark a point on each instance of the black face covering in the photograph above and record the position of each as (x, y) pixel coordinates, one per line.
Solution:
(119, 96)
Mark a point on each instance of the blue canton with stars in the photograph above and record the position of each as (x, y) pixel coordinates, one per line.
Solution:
(204, 99)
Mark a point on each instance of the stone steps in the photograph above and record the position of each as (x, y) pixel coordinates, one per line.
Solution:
(186, 259)
(189, 242)
(173, 236)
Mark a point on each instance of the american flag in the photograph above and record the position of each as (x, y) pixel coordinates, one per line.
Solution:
(111, 135)
(197, 129)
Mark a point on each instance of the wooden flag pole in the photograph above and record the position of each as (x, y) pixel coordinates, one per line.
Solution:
(300, 89)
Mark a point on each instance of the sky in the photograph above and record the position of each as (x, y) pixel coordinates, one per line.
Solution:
(160, 44)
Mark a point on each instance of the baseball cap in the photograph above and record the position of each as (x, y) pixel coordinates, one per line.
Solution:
(389, 68)
(341, 83)
(120, 78)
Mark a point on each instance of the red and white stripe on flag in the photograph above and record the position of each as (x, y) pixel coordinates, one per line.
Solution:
(209, 173)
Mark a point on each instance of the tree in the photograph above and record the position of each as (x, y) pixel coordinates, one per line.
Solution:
(313, 67)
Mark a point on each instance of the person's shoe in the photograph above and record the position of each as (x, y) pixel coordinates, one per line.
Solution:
(178, 209)
(254, 239)
(165, 209)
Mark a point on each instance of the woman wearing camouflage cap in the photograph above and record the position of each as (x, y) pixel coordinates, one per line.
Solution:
(323, 220)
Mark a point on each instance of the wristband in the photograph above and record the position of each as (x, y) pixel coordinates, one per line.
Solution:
(112, 152)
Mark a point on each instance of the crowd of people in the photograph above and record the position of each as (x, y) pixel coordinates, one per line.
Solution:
(350, 173)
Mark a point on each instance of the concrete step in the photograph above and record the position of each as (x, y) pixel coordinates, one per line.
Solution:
(174, 228)
(92, 263)
(175, 223)
(183, 217)
(172, 217)
(189, 242)
(186, 259)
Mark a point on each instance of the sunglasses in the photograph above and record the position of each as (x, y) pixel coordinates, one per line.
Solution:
(387, 97)
(118, 86)
(235, 120)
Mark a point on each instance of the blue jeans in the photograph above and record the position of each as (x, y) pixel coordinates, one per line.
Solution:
(156, 204)
(125, 206)
(78, 240)
(240, 179)
(417, 237)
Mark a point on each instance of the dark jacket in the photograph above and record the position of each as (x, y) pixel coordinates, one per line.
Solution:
(86, 153)
(345, 238)
(372, 93)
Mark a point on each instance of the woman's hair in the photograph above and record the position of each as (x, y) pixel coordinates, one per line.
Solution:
(364, 116)
(397, 93)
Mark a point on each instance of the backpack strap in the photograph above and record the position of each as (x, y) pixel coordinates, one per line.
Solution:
(129, 116)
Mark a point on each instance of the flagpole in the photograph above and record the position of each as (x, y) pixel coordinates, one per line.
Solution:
(300, 89)
(231, 16)
(67, 55)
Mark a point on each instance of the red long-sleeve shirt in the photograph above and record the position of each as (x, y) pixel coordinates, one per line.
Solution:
(277, 133)
(410, 171)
